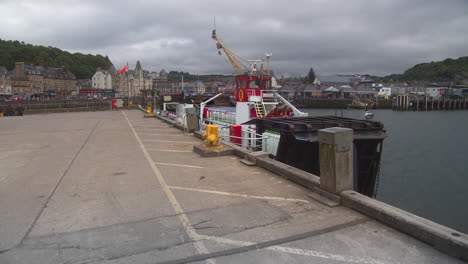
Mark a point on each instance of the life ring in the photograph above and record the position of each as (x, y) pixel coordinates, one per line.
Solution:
(442, 91)
(281, 111)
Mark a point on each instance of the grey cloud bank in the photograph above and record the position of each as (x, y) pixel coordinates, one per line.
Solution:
(375, 37)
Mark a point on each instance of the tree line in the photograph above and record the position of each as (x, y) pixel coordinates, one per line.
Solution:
(82, 65)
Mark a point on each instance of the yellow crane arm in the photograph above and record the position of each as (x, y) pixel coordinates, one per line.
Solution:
(241, 65)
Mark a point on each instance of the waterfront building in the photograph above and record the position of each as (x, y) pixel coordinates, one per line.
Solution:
(196, 87)
(5, 81)
(133, 82)
(36, 79)
(104, 79)
(435, 92)
(211, 87)
(163, 75)
(165, 87)
(84, 84)
(339, 80)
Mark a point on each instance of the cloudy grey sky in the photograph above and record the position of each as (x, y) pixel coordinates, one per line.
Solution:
(332, 36)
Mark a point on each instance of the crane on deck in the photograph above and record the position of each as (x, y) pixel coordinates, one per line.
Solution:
(240, 65)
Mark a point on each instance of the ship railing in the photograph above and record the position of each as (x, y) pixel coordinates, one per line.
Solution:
(202, 108)
(269, 96)
(222, 116)
(249, 140)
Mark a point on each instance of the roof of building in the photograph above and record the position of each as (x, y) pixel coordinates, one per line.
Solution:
(288, 88)
(3, 70)
(311, 88)
(49, 72)
(138, 65)
(340, 78)
(112, 70)
(331, 89)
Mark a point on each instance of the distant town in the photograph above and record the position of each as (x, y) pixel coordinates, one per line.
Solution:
(35, 81)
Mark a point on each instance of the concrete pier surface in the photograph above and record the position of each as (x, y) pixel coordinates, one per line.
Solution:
(115, 187)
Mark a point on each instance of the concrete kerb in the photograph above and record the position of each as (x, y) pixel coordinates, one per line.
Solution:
(170, 122)
(203, 151)
(442, 238)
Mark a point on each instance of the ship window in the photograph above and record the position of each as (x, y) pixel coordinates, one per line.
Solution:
(241, 83)
(253, 84)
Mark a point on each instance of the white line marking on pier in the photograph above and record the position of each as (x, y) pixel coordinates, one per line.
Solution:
(178, 165)
(169, 141)
(149, 126)
(154, 134)
(147, 123)
(170, 150)
(156, 128)
(160, 134)
(297, 251)
(240, 195)
(199, 246)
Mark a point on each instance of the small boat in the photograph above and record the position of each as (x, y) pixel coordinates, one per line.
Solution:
(368, 115)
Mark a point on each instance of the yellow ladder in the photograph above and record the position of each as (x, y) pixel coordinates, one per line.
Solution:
(260, 110)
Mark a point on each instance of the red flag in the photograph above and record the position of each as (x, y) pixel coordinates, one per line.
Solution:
(124, 68)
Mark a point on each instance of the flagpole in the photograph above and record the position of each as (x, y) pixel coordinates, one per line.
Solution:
(128, 87)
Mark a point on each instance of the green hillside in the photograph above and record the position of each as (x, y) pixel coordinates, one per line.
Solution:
(82, 65)
(447, 70)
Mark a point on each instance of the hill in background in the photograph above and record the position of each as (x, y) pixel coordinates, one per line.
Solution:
(447, 70)
(177, 76)
(82, 65)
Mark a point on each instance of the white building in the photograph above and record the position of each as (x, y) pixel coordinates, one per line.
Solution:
(436, 91)
(102, 79)
(385, 92)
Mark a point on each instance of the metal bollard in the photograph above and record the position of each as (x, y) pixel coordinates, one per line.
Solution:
(211, 137)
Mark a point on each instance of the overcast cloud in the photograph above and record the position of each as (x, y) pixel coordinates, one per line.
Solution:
(342, 36)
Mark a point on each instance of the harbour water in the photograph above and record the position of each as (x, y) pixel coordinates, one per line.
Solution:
(424, 167)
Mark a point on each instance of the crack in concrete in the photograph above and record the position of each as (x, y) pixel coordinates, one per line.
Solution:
(57, 185)
(239, 229)
(118, 224)
(265, 244)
